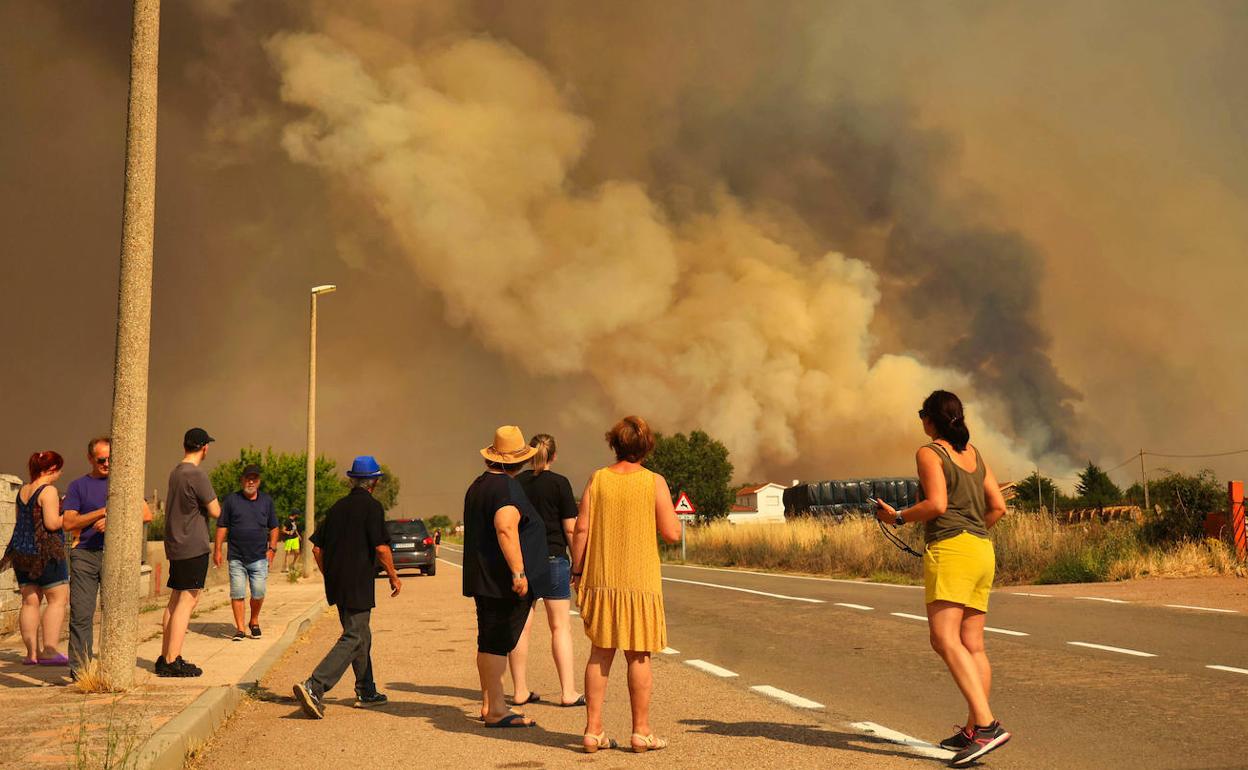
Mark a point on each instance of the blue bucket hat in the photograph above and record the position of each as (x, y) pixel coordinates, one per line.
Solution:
(365, 467)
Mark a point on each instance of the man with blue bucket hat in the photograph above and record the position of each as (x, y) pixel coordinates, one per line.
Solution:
(354, 533)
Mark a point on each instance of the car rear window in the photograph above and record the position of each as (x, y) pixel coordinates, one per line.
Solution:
(416, 528)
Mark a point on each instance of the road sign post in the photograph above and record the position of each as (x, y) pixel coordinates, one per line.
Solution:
(685, 512)
(1235, 518)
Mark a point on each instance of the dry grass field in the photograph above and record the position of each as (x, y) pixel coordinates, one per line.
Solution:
(1030, 548)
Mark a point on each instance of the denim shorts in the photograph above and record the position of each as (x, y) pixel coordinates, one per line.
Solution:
(256, 573)
(54, 573)
(558, 583)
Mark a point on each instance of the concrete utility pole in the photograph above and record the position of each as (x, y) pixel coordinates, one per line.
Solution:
(119, 629)
(309, 503)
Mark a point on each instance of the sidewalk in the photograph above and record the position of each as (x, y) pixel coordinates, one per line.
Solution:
(44, 723)
(424, 658)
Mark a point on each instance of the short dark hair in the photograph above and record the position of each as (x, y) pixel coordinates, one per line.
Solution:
(631, 439)
(506, 467)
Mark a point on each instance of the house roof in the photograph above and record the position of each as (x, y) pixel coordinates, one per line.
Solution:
(756, 487)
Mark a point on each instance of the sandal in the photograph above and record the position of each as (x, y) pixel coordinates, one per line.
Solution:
(57, 660)
(513, 720)
(648, 743)
(593, 742)
(533, 698)
(30, 661)
(578, 702)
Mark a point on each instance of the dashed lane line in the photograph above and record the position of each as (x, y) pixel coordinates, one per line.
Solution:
(792, 577)
(1103, 599)
(908, 615)
(1107, 648)
(1201, 609)
(916, 746)
(862, 607)
(795, 701)
(1006, 631)
(1231, 669)
(453, 564)
(669, 651)
(711, 668)
(1024, 593)
(746, 591)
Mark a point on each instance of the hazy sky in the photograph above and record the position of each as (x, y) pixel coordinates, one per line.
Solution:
(783, 223)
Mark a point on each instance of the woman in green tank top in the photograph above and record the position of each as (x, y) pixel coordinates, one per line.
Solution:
(962, 501)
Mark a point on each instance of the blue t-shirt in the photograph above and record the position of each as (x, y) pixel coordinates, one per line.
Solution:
(87, 494)
(248, 522)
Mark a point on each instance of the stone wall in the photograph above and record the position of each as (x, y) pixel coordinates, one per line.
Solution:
(9, 599)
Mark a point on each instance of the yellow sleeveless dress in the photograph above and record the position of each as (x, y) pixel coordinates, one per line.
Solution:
(621, 590)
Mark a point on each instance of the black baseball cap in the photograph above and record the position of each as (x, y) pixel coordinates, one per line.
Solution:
(251, 470)
(196, 438)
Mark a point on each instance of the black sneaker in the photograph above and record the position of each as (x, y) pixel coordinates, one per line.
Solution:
(367, 701)
(986, 739)
(309, 701)
(239, 636)
(255, 631)
(186, 668)
(958, 741)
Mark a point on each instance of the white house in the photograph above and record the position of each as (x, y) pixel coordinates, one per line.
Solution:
(762, 504)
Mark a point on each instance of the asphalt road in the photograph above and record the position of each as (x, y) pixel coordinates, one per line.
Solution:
(1149, 701)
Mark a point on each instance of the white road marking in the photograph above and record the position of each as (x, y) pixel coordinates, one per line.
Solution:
(854, 606)
(453, 564)
(746, 591)
(791, 577)
(711, 668)
(1005, 631)
(922, 748)
(796, 701)
(1232, 669)
(1103, 599)
(669, 651)
(908, 615)
(1202, 609)
(451, 548)
(1106, 648)
(1023, 593)
(573, 612)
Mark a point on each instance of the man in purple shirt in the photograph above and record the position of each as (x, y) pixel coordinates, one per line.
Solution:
(84, 508)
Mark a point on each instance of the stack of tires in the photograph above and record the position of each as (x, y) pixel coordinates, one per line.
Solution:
(848, 497)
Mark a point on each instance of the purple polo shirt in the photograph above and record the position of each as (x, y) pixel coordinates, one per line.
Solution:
(87, 494)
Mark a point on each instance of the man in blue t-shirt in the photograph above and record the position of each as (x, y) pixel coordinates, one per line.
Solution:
(85, 511)
(249, 524)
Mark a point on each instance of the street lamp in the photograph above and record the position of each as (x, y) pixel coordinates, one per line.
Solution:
(309, 503)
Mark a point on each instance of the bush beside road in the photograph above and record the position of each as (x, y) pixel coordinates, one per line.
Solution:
(1031, 548)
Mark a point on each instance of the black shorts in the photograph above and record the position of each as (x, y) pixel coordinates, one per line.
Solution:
(188, 574)
(500, 623)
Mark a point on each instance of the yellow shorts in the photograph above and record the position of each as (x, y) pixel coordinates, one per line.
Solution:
(959, 569)
(292, 544)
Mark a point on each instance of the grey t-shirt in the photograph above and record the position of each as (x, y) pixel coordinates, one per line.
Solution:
(186, 512)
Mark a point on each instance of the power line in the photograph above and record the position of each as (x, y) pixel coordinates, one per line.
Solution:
(1216, 454)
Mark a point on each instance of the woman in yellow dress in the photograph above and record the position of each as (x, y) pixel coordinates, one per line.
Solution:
(615, 567)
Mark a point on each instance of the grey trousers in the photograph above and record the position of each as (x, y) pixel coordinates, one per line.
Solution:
(84, 590)
(354, 649)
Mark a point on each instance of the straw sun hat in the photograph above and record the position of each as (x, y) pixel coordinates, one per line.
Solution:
(509, 446)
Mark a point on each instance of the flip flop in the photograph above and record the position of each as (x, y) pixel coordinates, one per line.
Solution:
(30, 662)
(578, 702)
(533, 698)
(511, 720)
(59, 660)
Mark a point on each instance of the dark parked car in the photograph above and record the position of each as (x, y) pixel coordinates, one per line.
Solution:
(412, 546)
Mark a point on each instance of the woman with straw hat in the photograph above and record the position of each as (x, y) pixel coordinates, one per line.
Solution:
(504, 548)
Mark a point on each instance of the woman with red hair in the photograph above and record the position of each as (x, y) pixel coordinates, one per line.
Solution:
(37, 553)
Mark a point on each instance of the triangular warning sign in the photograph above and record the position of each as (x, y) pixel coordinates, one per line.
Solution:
(684, 504)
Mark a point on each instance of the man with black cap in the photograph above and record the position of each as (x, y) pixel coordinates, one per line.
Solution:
(249, 524)
(352, 539)
(190, 502)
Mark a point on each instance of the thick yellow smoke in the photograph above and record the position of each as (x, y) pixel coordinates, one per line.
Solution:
(465, 150)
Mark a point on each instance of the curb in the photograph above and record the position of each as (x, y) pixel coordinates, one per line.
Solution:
(167, 748)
